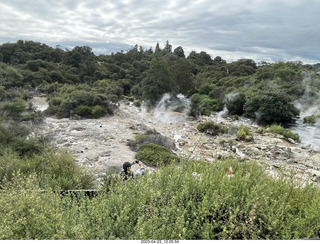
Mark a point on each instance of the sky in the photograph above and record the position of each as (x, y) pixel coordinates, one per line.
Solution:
(262, 30)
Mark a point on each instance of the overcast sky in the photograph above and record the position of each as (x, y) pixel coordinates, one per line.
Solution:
(268, 30)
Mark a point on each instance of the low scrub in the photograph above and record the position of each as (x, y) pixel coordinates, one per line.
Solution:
(83, 100)
(244, 133)
(204, 105)
(151, 136)
(212, 128)
(278, 129)
(312, 119)
(195, 201)
(90, 111)
(155, 155)
(51, 169)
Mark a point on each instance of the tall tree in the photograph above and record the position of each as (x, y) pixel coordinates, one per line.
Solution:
(158, 80)
(167, 49)
(183, 76)
(179, 52)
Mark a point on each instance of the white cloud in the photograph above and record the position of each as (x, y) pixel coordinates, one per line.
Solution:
(272, 30)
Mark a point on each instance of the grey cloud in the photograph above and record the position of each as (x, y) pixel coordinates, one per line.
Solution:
(273, 29)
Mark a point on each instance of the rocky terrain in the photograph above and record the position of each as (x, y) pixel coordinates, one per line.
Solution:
(101, 144)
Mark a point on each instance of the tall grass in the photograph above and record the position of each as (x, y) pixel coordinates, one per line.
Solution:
(278, 129)
(195, 200)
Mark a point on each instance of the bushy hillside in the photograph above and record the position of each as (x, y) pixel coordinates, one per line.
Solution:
(183, 199)
(141, 74)
(196, 200)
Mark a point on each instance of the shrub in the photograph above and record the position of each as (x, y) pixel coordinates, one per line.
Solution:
(235, 103)
(203, 105)
(151, 136)
(272, 106)
(83, 100)
(196, 201)
(179, 109)
(137, 103)
(15, 139)
(244, 133)
(155, 155)
(90, 111)
(13, 109)
(312, 119)
(277, 129)
(212, 128)
(55, 170)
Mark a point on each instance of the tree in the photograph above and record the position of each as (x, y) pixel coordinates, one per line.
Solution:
(179, 52)
(271, 107)
(201, 58)
(158, 80)
(183, 77)
(167, 49)
(235, 103)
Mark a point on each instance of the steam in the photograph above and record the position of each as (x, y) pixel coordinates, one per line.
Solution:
(308, 104)
(230, 97)
(171, 109)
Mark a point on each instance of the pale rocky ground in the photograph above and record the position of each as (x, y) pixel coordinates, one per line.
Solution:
(101, 144)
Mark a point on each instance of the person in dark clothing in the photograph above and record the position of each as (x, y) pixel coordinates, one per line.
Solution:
(126, 171)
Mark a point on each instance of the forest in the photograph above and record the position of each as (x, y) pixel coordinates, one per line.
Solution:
(170, 204)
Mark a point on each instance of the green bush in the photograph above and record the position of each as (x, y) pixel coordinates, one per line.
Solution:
(155, 155)
(312, 119)
(244, 133)
(15, 139)
(83, 100)
(90, 111)
(235, 104)
(151, 136)
(278, 129)
(13, 109)
(196, 201)
(203, 105)
(212, 128)
(179, 109)
(137, 103)
(272, 106)
(55, 170)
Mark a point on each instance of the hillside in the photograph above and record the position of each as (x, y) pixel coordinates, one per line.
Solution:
(101, 144)
(222, 161)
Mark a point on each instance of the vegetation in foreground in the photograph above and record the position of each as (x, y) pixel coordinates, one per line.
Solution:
(195, 200)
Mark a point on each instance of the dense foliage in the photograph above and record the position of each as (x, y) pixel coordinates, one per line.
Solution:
(197, 200)
(146, 75)
(150, 136)
(271, 107)
(155, 155)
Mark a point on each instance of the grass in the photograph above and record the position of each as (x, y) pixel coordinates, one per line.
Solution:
(212, 128)
(277, 129)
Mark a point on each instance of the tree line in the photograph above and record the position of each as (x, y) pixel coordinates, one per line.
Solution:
(141, 74)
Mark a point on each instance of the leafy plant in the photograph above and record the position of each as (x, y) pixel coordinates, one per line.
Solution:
(150, 136)
(278, 129)
(244, 133)
(155, 155)
(312, 119)
(203, 105)
(272, 106)
(195, 201)
(212, 128)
